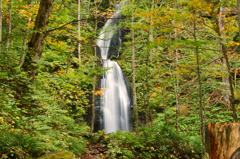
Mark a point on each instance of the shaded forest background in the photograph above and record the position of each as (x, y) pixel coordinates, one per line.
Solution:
(186, 71)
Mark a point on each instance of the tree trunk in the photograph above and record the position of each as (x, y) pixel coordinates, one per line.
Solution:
(25, 38)
(79, 32)
(162, 90)
(148, 95)
(225, 80)
(238, 11)
(151, 33)
(149, 55)
(177, 112)
(69, 56)
(199, 81)
(222, 139)
(176, 91)
(94, 78)
(0, 25)
(39, 33)
(9, 25)
(133, 78)
(228, 80)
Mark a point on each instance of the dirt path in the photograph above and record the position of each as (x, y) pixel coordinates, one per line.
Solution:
(95, 151)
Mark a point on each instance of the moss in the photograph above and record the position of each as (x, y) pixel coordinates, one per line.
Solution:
(58, 155)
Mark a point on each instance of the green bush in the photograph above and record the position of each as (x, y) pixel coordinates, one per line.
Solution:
(17, 145)
(154, 142)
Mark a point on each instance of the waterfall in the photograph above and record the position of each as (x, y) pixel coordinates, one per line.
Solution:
(115, 102)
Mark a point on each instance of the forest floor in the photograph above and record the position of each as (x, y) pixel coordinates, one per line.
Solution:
(95, 151)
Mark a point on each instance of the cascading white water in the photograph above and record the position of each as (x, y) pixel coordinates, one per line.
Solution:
(115, 103)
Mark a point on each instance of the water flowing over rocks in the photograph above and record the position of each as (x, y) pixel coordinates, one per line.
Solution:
(113, 108)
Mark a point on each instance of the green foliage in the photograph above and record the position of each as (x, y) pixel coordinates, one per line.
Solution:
(154, 142)
(17, 145)
(32, 122)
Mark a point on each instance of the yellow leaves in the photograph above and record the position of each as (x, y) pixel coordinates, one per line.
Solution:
(199, 5)
(153, 95)
(60, 72)
(233, 43)
(27, 11)
(219, 74)
(31, 25)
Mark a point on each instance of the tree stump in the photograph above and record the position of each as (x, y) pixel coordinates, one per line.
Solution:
(222, 140)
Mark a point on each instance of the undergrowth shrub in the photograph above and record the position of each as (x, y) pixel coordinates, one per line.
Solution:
(155, 142)
(17, 145)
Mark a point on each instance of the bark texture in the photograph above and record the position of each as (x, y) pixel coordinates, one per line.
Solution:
(199, 79)
(35, 44)
(25, 37)
(133, 79)
(222, 139)
(79, 32)
(225, 80)
(228, 98)
(94, 78)
(9, 24)
(0, 24)
(238, 12)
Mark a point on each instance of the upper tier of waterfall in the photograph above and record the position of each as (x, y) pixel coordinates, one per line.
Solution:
(109, 33)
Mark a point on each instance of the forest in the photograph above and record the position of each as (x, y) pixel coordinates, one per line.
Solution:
(180, 58)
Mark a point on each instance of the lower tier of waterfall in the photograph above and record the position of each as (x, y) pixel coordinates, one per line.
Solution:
(115, 102)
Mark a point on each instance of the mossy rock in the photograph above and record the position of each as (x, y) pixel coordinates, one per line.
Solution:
(58, 155)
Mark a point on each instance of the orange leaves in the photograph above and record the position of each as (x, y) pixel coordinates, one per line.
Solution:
(27, 11)
(60, 72)
(30, 25)
(99, 92)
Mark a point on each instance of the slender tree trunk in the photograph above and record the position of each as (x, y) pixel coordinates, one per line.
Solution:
(151, 33)
(25, 38)
(94, 78)
(9, 25)
(176, 96)
(228, 80)
(178, 107)
(225, 79)
(0, 25)
(235, 79)
(69, 57)
(162, 90)
(133, 78)
(238, 11)
(143, 90)
(89, 4)
(35, 45)
(177, 87)
(79, 32)
(176, 91)
(232, 98)
(176, 82)
(150, 55)
(164, 105)
(199, 82)
(148, 95)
